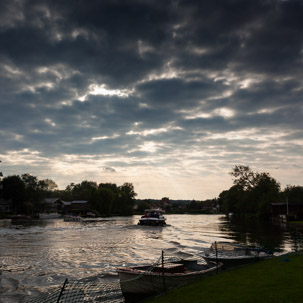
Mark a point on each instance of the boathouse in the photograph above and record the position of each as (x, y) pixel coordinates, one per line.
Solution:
(291, 209)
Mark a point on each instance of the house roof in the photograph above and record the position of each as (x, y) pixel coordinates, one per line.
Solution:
(51, 200)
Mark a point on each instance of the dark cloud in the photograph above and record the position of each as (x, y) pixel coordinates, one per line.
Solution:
(152, 83)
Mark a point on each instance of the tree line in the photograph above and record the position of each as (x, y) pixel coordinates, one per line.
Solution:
(253, 193)
(27, 194)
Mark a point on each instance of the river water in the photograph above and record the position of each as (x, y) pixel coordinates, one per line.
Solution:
(36, 257)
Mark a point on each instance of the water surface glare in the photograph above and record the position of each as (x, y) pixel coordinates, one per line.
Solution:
(38, 256)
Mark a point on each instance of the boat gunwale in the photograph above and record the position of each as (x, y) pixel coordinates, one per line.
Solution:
(136, 271)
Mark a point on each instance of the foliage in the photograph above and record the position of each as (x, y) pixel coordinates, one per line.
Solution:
(252, 192)
(13, 189)
(27, 194)
(244, 177)
(143, 205)
(294, 194)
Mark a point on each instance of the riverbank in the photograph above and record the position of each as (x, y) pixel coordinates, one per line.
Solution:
(275, 280)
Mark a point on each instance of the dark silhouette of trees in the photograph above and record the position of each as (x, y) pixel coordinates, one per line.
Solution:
(104, 199)
(294, 194)
(13, 189)
(252, 192)
(27, 194)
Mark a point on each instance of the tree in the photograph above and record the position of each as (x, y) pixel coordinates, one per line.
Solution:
(103, 201)
(252, 193)
(67, 194)
(81, 191)
(143, 205)
(13, 189)
(266, 191)
(126, 198)
(244, 177)
(231, 201)
(294, 194)
(35, 192)
(50, 185)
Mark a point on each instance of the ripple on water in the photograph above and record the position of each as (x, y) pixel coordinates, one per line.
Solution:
(38, 257)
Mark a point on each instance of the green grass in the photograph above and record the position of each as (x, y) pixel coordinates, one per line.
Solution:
(274, 280)
(296, 222)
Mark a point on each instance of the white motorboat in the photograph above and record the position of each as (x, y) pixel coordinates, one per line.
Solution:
(233, 254)
(153, 217)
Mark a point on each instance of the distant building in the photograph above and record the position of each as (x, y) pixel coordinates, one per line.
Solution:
(81, 205)
(56, 205)
(290, 209)
(210, 206)
(52, 205)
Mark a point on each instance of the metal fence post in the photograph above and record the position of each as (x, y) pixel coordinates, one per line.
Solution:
(163, 271)
(62, 289)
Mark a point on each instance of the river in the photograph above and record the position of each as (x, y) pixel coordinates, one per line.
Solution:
(37, 256)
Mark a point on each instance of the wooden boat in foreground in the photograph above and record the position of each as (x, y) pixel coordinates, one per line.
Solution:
(138, 282)
(233, 254)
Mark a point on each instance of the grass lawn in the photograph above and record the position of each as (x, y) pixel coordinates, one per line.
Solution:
(296, 222)
(274, 280)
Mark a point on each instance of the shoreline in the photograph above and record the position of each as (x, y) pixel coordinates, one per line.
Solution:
(277, 279)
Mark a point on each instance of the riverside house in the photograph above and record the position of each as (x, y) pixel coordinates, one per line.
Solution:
(56, 205)
(291, 209)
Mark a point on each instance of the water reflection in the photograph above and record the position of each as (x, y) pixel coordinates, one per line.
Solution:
(263, 233)
(39, 255)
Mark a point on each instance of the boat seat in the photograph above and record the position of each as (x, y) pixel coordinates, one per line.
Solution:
(170, 268)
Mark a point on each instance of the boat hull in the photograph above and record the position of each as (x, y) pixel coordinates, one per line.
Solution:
(232, 262)
(137, 284)
(152, 222)
(233, 255)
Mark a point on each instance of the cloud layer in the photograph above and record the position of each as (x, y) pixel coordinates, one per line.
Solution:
(169, 96)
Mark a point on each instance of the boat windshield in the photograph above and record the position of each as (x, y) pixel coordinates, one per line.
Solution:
(153, 211)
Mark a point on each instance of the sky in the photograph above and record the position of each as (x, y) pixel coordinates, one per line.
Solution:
(167, 95)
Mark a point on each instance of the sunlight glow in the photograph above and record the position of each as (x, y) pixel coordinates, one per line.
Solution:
(154, 131)
(150, 147)
(104, 137)
(95, 89)
(224, 112)
(50, 122)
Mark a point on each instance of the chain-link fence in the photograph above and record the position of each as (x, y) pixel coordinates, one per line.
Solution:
(135, 283)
